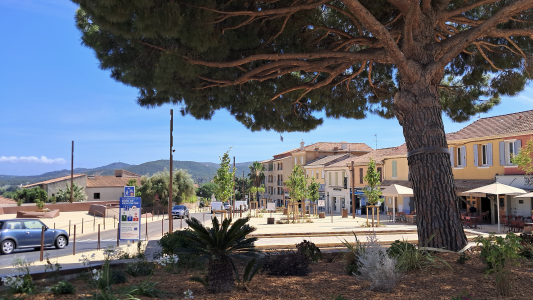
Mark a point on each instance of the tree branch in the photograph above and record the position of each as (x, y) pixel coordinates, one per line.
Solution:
(451, 47)
(380, 32)
(466, 8)
(266, 12)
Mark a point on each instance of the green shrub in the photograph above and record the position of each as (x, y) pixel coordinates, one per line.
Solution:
(463, 258)
(310, 249)
(409, 258)
(286, 263)
(148, 289)
(63, 288)
(170, 244)
(500, 254)
(140, 268)
(352, 256)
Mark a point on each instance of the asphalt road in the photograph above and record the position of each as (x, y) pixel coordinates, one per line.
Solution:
(88, 242)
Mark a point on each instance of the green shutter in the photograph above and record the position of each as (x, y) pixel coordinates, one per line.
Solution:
(394, 169)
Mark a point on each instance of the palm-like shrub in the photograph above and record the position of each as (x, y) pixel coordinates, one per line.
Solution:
(219, 245)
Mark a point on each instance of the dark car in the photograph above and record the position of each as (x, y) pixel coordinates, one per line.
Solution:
(26, 233)
(180, 211)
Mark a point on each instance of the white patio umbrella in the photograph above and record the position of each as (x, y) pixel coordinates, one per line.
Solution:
(524, 195)
(498, 189)
(395, 190)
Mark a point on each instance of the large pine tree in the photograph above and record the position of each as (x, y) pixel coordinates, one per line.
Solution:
(274, 63)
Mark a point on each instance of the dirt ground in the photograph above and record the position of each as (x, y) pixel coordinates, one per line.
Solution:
(328, 279)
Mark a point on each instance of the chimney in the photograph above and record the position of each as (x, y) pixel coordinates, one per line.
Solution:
(344, 145)
(302, 145)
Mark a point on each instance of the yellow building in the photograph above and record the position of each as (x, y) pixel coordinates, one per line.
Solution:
(479, 153)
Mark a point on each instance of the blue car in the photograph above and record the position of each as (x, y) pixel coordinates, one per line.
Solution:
(26, 233)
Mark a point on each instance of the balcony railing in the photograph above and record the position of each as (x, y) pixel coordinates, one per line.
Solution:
(280, 182)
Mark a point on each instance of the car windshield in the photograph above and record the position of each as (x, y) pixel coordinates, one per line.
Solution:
(179, 207)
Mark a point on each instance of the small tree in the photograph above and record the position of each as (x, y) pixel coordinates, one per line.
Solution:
(206, 190)
(224, 179)
(30, 195)
(297, 185)
(372, 191)
(524, 159)
(312, 190)
(78, 194)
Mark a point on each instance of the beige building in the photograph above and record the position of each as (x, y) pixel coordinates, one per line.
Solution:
(105, 188)
(341, 180)
(52, 186)
(278, 169)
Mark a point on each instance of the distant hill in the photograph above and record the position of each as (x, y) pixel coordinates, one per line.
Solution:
(201, 172)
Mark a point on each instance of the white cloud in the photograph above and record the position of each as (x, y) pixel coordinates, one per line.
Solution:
(33, 159)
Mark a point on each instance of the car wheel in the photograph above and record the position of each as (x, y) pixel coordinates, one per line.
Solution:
(7, 247)
(61, 242)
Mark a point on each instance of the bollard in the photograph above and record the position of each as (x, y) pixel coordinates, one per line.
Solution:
(240, 214)
(98, 245)
(162, 225)
(54, 225)
(114, 222)
(103, 216)
(146, 223)
(181, 222)
(331, 212)
(74, 242)
(152, 215)
(42, 242)
(94, 220)
(68, 227)
(203, 217)
(118, 236)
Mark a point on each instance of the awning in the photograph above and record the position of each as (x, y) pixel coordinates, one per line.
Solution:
(397, 190)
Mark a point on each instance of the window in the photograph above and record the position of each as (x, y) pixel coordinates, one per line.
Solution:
(307, 174)
(281, 166)
(33, 224)
(459, 157)
(394, 169)
(379, 171)
(96, 196)
(295, 161)
(322, 174)
(361, 175)
(507, 150)
(302, 159)
(483, 155)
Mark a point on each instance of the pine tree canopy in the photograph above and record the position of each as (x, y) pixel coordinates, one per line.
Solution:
(274, 63)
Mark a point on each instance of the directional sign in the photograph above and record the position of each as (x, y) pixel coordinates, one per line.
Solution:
(129, 191)
(129, 223)
(321, 203)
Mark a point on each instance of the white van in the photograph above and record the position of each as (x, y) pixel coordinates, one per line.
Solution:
(217, 206)
(238, 205)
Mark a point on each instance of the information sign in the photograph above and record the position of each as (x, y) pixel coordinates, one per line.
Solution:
(271, 206)
(321, 203)
(129, 191)
(129, 223)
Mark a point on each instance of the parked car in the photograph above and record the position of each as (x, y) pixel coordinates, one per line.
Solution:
(238, 205)
(227, 206)
(26, 233)
(180, 211)
(216, 206)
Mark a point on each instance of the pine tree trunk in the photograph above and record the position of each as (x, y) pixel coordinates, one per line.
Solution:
(418, 110)
(220, 275)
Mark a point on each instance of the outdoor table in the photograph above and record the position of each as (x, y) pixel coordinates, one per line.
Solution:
(528, 224)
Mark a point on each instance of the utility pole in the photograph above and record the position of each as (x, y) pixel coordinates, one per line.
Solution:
(234, 196)
(353, 191)
(170, 218)
(72, 174)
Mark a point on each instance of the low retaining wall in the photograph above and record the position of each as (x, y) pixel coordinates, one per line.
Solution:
(38, 214)
(63, 207)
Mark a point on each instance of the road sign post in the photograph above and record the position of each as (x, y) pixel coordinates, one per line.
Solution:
(129, 222)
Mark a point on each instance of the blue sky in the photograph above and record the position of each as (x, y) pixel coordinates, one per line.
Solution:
(52, 92)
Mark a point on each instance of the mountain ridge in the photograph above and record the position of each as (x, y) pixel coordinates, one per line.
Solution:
(201, 172)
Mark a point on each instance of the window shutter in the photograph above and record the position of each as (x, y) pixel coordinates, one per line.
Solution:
(329, 179)
(380, 177)
(463, 153)
(489, 154)
(361, 175)
(322, 174)
(476, 156)
(394, 169)
(502, 153)
(452, 157)
(517, 146)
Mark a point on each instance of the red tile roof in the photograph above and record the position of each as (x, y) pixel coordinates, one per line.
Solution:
(7, 201)
(109, 181)
(400, 150)
(53, 180)
(328, 146)
(363, 160)
(498, 125)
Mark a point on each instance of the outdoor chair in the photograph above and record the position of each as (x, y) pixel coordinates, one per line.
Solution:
(520, 226)
(513, 226)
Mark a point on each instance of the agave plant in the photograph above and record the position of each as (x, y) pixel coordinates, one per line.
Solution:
(219, 245)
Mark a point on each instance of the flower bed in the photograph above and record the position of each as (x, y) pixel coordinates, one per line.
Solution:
(328, 279)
